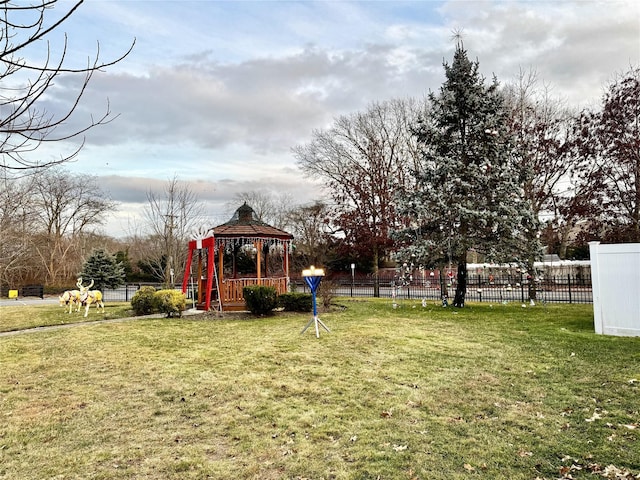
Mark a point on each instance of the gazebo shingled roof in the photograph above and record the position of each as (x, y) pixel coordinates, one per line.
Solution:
(244, 224)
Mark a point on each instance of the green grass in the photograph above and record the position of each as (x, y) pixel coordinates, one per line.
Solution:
(22, 317)
(488, 392)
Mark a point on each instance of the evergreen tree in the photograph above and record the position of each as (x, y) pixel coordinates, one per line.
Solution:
(468, 192)
(103, 269)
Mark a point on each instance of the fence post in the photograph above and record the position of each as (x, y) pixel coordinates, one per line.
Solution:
(569, 284)
(521, 288)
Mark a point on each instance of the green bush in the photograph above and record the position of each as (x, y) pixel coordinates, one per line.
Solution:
(260, 299)
(296, 302)
(142, 301)
(171, 302)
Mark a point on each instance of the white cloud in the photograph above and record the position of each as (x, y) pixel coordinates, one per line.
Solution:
(221, 91)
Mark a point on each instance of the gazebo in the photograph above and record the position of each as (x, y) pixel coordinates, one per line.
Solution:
(243, 251)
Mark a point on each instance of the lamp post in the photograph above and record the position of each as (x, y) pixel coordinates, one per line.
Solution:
(353, 276)
(313, 277)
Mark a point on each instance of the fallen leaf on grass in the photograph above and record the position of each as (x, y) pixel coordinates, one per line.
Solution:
(469, 468)
(594, 417)
(565, 471)
(385, 413)
(399, 448)
(611, 471)
(522, 453)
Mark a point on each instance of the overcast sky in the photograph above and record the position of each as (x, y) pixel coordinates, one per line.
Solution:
(218, 92)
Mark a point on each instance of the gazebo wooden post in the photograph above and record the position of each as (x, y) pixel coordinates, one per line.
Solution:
(286, 261)
(210, 266)
(258, 246)
(266, 260)
(221, 267)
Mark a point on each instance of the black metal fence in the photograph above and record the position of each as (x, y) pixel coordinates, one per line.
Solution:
(26, 291)
(126, 292)
(480, 288)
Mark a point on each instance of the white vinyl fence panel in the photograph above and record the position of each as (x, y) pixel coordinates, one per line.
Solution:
(615, 277)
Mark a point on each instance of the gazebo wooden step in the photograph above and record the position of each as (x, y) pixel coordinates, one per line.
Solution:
(234, 307)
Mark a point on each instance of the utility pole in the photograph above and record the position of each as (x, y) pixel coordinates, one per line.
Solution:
(169, 247)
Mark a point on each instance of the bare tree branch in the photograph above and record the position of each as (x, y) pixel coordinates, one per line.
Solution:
(24, 123)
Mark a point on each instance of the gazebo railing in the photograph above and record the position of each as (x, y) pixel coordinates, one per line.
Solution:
(231, 288)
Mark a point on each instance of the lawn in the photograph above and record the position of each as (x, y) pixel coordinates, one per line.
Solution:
(487, 392)
(22, 317)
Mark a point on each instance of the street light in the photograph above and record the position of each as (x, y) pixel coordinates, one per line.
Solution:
(353, 276)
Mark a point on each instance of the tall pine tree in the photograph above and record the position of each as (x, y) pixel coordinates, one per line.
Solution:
(468, 192)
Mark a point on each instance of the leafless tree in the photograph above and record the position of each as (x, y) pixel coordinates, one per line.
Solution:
(65, 207)
(171, 218)
(269, 207)
(312, 230)
(15, 228)
(25, 124)
(363, 160)
(540, 127)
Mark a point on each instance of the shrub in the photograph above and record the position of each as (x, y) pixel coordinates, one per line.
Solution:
(296, 302)
(142, 301)
(260, 299)
(171, 302)
(326, 293)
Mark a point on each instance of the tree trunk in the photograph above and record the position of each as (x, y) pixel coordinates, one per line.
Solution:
(461, 285)
(444, 291)
(531, 282)
(376, 276)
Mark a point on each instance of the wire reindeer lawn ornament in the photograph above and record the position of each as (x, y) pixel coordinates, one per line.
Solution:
(90, 297)
(70, 298)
